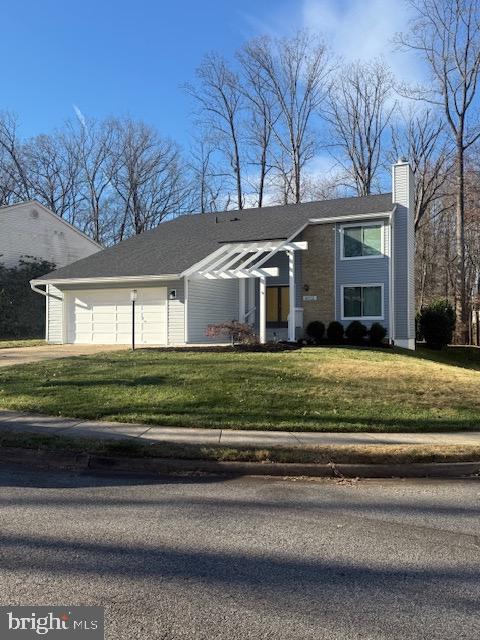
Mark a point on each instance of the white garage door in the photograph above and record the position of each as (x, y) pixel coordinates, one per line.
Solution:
(104, 316)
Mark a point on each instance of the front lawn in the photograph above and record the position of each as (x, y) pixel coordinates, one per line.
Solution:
(324, 389)
(27, 342)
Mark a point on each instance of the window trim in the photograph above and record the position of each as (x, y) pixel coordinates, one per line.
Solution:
(376, 223)
(363, 285)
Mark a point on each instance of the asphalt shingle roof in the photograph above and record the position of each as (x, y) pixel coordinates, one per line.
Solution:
(178, 244)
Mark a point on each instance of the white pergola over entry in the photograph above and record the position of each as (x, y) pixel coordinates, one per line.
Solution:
(245, 260)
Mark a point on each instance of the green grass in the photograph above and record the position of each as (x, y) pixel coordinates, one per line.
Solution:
(323, 389)
(361, 454)
(28, 342)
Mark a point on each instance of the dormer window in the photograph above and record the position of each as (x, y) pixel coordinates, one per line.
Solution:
(362, 241)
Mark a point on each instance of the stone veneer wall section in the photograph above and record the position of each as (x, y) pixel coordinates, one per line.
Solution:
(318, 272)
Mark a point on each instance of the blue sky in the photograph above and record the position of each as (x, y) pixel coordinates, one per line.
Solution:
(131, 57)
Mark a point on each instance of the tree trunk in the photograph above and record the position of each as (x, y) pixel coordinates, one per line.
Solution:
(461, 331)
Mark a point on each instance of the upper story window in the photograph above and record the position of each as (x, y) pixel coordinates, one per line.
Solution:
(362, 241)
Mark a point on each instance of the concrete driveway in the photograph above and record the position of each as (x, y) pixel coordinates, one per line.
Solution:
(23, 355)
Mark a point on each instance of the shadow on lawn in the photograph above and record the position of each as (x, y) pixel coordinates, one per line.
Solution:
(141, 381)
(203, 415)
(463, 357)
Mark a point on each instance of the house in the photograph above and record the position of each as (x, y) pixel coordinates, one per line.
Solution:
(28, 229)
(32, 233)
(277, 268)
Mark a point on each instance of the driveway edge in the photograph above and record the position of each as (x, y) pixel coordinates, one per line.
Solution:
(42, 459)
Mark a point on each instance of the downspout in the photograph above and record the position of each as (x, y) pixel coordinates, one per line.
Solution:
(45, 293)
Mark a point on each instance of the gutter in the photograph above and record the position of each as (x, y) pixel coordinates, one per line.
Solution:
(347, 219)
(104, 280)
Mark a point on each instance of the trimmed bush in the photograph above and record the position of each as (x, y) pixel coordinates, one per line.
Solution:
(436, 324)
(335, 332)
(315, 330)
(356, 332)
(377, 333)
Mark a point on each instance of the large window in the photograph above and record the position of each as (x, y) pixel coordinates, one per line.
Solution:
(277, 306)
(362, 241)
(362, 301)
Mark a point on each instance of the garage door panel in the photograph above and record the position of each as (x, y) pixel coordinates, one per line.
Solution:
(104, 316)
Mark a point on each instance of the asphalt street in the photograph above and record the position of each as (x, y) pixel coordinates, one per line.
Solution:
(244, 558)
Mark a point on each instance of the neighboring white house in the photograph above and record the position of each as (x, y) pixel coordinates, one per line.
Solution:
(30, 229)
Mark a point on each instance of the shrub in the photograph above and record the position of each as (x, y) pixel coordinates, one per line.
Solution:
(238, 332)
(22, 311)
(436, 324)
(316, 330)
(356, 332)
(335, 332)
(377, 333)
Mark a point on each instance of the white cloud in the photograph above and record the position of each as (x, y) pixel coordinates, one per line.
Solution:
(354, 29)
(359, 30)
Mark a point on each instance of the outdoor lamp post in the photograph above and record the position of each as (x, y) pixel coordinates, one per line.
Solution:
(133, 297)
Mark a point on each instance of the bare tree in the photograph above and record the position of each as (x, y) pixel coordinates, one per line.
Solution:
(422, 139)
(207, 185)
(52, 170)
(147, 176)
(295, 72)
(14, 169)
(220, 99)
(262, 113)
(359, 108)
(446, 33)
(93, 145)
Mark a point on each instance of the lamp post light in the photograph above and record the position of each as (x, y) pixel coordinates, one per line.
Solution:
(133, 297)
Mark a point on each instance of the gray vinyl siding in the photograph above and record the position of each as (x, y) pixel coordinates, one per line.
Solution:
(210, 302)
(176, 313)
(362, 271)
(54, 328)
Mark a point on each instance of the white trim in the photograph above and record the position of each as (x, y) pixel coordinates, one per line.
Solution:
(380, 224)
(391, 269)
(241, 299)
(263, 311)
(65, 318)
(235, 260)
(185, 309)
(106, 280)
(167, 313)
(291, 296)
(47, 324)
(408, 343)
(347, 219)
(363, 285)
(287, 245)
(206, 260)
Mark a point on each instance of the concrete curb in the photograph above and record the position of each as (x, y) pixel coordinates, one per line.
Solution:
(51, 460)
